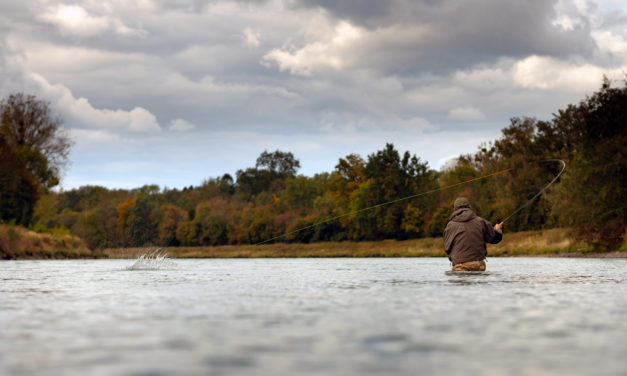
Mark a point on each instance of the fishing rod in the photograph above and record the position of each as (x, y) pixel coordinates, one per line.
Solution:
(541, 191)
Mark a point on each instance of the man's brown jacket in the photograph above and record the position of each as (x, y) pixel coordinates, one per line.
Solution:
(465, 236)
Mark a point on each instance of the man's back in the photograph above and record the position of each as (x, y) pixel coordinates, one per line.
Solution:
(466, 234)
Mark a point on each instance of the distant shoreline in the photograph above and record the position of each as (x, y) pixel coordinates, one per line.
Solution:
(20, 244)
(543, 243)
(132, 253)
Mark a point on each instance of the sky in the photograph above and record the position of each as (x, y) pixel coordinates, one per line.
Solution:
(175, 92)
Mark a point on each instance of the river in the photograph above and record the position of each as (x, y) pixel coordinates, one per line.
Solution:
(400, 316)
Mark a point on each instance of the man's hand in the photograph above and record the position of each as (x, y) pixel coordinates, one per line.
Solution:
(499, 226)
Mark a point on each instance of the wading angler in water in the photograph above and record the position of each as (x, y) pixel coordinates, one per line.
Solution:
(466, 235)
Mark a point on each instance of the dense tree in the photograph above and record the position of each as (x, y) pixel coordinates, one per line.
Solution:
(301, 192)
(212, 218)
(171, 218)
(124, 211)
(412, 223)
(29, 126)
(269, 173)
(592, 194)
(33, 150)
(143, 221)
(97, 226)
(391, 177)
(280, 163)
(438, 222)
(521, 149)
(19, 189)
(187, 233)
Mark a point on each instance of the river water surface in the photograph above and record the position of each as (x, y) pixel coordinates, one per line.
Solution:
(525, 316)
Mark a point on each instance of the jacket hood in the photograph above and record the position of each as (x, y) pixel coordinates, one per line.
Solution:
(462, 215)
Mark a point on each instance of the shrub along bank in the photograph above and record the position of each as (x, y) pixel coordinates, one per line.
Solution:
(17, 242)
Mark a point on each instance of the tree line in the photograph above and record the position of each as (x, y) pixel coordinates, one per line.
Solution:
(271, 199)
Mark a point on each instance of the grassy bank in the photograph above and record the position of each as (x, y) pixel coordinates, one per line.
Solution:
(19, 243)
(529, 243)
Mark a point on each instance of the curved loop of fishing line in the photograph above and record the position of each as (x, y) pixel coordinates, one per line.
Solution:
(541, 191)
(429, 192)
(388, 203)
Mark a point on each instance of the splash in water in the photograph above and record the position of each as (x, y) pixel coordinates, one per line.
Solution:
(153, 261)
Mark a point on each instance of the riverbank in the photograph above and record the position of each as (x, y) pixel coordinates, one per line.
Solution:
(17, 242)
(553, 243)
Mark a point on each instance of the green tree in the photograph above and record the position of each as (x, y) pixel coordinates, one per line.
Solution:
(45, 213)
(142, 221)
(591, 197)
(348, 175)
(522, 148)
(412, 222)
(390, 178)
(280, 163)
(212, 218)
(269, 174)
(301, 192)
(187, 233)
(19, 190)
(363, 223)
(437, 223)
(90, 228)
(97, 226)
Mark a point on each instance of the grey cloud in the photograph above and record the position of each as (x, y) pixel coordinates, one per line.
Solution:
(185, 5)
(419, 36)
(197, 6)
(368, 13)
(616, 19)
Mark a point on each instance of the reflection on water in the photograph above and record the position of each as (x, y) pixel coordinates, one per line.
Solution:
(313, 317)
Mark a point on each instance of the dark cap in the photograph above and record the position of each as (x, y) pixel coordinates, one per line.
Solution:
(461, 202)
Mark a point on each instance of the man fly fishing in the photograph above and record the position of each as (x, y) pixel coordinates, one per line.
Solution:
(466, 235)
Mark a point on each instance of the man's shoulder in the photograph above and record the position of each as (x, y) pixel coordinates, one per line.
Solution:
(481, 219)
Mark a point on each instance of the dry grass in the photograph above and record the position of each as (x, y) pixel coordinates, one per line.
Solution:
(541, 242)
(528, 243)
(19, 243)
(385, 248)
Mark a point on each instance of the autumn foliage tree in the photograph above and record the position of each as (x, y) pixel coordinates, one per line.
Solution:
(33, 150)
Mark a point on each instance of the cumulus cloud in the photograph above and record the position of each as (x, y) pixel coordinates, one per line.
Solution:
(327, 53)
(611, 44)
(180, 125)
(81, 114)
(74, 20)
(541, 72)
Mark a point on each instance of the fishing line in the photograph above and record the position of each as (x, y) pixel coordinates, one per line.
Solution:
(384, 204)
(429, 192)
(541, 191)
